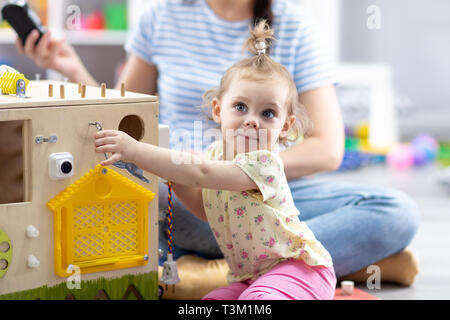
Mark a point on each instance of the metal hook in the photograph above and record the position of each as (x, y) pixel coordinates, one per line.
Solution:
(130, 167)
(98, 125)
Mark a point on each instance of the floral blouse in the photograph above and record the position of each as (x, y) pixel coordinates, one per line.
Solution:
(256, 229)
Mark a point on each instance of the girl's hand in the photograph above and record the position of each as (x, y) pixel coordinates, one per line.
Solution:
(121, 145)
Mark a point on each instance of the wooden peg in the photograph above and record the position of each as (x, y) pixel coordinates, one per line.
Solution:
(103, 90)
(61, 91)
(122, 89)
(83, 91)
(50, 90)
(79, 87)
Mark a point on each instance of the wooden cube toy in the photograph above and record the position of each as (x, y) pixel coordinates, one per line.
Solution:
(70, 228)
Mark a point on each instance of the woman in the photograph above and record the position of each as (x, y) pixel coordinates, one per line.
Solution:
(358, 225)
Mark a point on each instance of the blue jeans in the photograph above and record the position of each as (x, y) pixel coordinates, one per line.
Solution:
(358, 225)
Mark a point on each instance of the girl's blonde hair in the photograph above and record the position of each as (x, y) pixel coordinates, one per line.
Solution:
(261, 68)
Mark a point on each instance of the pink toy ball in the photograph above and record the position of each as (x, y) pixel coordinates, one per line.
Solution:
(401, 157)
(425, 149)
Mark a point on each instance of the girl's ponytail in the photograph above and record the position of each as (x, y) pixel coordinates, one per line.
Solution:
(262, 10)
(260, 39)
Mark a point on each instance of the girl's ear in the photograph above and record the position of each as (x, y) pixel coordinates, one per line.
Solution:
(287, 125)
(216, 110)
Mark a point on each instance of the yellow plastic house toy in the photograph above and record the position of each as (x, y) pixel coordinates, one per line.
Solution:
(101, 223)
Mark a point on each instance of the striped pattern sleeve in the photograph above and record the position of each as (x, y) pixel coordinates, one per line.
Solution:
(302, 49)
(314, 67)
(140, 42)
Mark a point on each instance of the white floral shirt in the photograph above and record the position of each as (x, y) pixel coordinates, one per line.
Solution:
(256, 229)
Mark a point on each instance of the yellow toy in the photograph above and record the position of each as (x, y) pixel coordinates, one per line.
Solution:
(5, 253)
(13, 83)
(75, 229)
(101, 223)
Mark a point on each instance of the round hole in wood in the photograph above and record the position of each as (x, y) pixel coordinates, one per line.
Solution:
(133, 126)
(3, 264)
(4, 247)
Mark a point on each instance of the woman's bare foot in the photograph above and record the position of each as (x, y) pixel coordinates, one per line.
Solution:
(400, 268)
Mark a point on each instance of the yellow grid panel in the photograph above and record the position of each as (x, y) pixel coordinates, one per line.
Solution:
(105, 230)
(101, 223)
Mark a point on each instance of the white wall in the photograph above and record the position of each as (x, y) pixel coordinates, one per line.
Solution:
(327, 15)
(414, 39)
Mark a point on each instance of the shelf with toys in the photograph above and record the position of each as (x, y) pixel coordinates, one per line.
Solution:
(92, 23)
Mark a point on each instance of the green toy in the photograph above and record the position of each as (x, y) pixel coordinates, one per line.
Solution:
(444, 154)
(116, 16)
(5, 253)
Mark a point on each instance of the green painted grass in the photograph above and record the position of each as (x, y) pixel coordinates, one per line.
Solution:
(146, 284)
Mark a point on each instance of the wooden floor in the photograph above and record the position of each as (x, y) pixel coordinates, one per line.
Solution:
(432, 242)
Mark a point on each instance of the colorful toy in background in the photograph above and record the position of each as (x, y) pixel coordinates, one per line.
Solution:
(358, 152)
(4, 24)
(443, 156)
(355, 158)
(112, 17)
(39, 6)
(94, 21)
(424, 148)
(421, 151)
(116, 16)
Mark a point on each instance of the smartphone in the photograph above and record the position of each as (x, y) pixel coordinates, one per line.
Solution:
(22, 19)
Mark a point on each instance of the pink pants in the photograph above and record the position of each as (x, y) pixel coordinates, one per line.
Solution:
(288, 280)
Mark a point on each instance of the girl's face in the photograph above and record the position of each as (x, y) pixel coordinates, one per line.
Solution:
(252, 115)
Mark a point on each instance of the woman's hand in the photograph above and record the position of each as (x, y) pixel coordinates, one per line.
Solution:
(323, 148)
(121, 145)
(55, 54)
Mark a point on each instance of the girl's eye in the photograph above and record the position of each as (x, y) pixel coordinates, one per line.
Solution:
(268, 114)
(240, 107)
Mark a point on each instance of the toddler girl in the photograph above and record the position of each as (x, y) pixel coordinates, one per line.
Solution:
(239, 186)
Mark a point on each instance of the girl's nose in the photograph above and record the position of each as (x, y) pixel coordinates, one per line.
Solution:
(251, 123)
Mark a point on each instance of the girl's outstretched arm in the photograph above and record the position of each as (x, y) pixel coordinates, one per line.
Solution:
(177, 166)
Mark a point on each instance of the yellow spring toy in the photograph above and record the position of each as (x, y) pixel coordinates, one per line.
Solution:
(13, 83)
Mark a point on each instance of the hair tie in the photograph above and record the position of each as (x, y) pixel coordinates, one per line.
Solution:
(260, 47)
